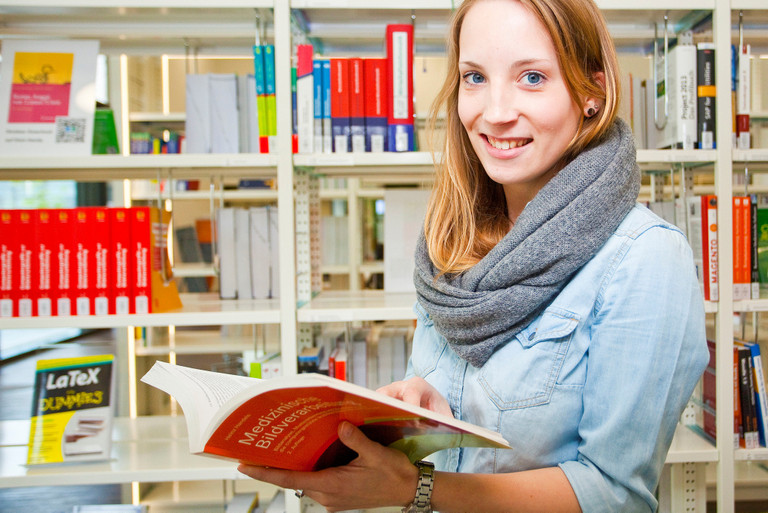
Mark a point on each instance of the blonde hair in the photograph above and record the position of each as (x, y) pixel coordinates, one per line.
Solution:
(467, 213)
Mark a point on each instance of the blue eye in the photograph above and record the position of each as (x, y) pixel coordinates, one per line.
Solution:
(473, 77)
(533, 78)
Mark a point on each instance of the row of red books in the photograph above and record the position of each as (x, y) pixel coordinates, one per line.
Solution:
(84, 261)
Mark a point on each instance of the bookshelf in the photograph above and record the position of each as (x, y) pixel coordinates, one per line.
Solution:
(138, 27)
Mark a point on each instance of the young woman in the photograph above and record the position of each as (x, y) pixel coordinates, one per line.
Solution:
(551, 307)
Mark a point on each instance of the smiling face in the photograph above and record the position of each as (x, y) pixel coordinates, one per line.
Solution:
(512, 99)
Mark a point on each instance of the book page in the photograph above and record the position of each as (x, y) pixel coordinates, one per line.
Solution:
(200, 393)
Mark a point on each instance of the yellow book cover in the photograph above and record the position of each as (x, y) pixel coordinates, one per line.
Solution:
(72, 410)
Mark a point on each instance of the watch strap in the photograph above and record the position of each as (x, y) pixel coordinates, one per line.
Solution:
(422, 501)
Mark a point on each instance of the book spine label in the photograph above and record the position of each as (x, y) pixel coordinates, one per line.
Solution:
(270, 99)
(261, 97)
(327, 131)
(710, 247)
(375, 79)
(305, 109)
(340, 98)
(317, 104)
(141, 258)
(102, 286)
(356, 105)
(7, 265)
(400, 87)
(46, 262)
(120, 244)
(706, 96)
(27, 294)
(64, 253)
(83, 277)
(753, 243)
(743, 99)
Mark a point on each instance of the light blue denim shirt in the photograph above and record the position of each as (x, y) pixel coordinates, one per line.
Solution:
(596, 384)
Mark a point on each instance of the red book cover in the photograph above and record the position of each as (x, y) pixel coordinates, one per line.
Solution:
(102, 261)
(375, 89)
(120, 243)
(46, 261)
(400, 87)
(27, 294)
(84, 249)
(141, 256)
(340, 107)
(709, 245)
(292, 422)
(63, 241)
(8, 278)
(356, 104)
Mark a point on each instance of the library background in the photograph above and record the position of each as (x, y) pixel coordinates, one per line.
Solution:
(287, 215)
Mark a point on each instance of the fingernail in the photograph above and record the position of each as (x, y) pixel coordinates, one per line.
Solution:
(345, 429)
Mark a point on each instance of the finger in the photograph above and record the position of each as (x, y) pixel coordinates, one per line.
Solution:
(351, 436)
(412, 396)
(278, 477)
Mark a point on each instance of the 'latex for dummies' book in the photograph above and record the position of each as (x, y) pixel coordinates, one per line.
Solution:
(291, 422)
(71, 410)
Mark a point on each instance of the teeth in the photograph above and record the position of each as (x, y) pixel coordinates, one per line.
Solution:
(506, 144)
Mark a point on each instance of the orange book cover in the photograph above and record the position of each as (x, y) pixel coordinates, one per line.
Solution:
(154, 289)
(291, 422)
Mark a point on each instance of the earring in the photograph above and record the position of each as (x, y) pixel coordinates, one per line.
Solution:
(591, 111)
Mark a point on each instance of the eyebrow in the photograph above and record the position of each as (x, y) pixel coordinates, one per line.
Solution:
(517, 64)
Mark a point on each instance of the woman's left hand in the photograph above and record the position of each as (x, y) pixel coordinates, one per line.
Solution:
(378, 477)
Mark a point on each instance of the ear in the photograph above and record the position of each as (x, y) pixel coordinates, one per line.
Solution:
(592, 104)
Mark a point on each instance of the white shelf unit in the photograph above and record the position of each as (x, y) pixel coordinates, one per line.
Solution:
(148, 449)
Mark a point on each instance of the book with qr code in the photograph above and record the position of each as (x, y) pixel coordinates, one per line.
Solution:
(72, 410)
(291, 422)
(48, 97)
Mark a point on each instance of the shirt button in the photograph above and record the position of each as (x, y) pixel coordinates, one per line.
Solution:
(531, 336)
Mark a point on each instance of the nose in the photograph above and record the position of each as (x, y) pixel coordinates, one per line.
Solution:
(501, 104)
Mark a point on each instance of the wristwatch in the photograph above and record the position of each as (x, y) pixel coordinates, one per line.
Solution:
(422, 502)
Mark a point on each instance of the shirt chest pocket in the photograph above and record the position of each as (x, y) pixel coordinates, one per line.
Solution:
(523, 372)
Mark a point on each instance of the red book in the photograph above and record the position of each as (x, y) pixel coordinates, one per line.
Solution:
(141, 231)
(375, 89)
(7, 264)
(742, 262)
(356, 105)
(26, 265)
(340, 108)
(120, 244)
(84, 257)
(63, 242)
(400, 87)
(709, 246)
(102, 281)
(292, 422)
(45, 254)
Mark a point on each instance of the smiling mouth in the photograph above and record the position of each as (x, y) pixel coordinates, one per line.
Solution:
(506, 144)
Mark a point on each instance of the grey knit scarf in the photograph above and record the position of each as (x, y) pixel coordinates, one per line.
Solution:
(558, 232)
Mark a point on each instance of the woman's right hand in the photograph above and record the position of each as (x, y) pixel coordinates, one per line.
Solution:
(417, 391)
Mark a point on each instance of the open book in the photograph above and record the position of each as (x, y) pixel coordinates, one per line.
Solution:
(291, 422)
